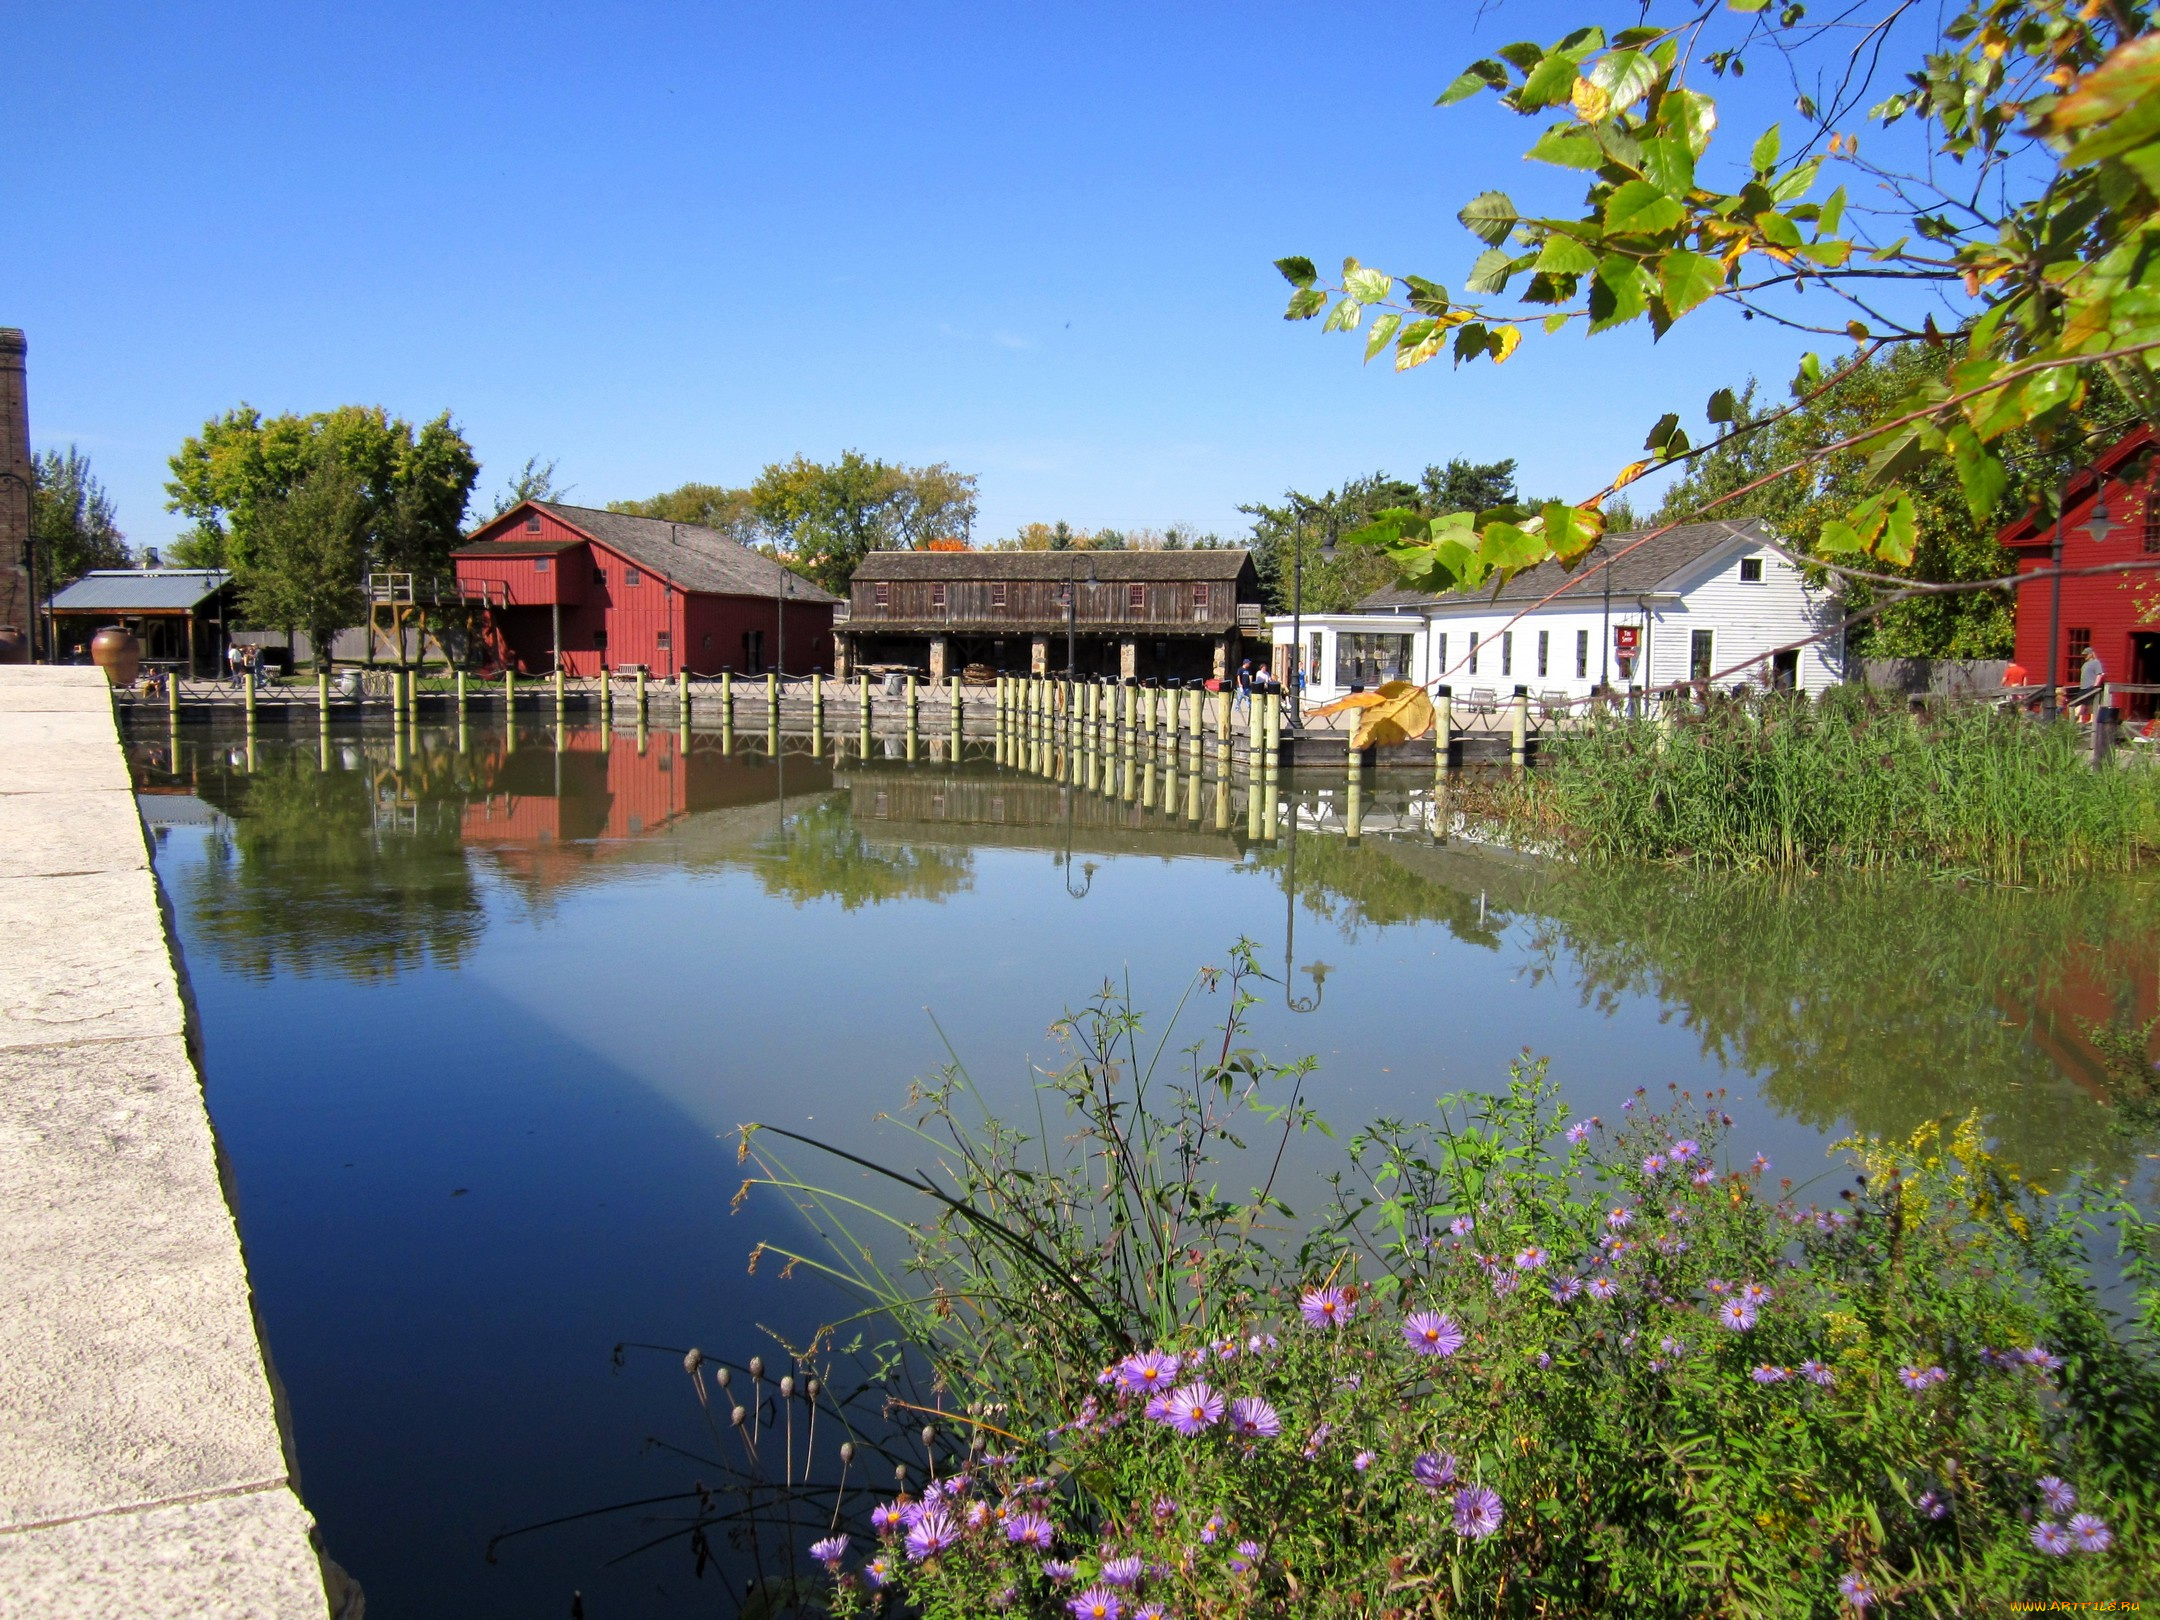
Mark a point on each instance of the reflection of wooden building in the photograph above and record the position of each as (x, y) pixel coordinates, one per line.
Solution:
(179, 614)
(1163, 615)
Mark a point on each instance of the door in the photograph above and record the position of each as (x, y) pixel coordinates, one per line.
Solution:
(2144, 671)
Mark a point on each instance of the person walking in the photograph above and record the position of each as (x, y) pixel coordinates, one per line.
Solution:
(2092, 683)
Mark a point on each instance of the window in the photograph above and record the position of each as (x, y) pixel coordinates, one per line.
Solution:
(937, 597)
(662, 641)
(1544, 648)
(2152, 518)
(540, 565)
(997, 595)
(1751, 570)
(1312, 660)
(1367, 660)
(630, 576)
(884, 595)
(2079, 643)
(1582, 655)
(1136, 598)
(599, 574)
(532, 522)
(1698, 655)
(1473, 652)
(1507, 652)
(599, 639)
(1440, 656)
(1200, 597)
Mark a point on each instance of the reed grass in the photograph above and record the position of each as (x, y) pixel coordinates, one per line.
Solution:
(1852, 782)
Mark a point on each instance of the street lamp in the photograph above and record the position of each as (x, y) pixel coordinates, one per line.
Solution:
(2098, 526)
(1297, 606)
(29, 490)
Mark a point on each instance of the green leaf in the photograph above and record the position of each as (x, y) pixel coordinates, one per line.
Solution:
(1503, 545)
(1619, 295)
(1662, 435)
(1724, 406)
(1640, 209)
(1569, 146)
(1832, 215)
(1551, 81)
(1748, 5)
(1838, 538)
(1523, 55)
(1809, 376)
(1368, 286)
(1669, 165)
(1299, 272)
(1777, 229)
(1686, 279)
(1564, 256)
(1305, 303)
(1489, 216)
(1470, 341)
(1485, 75)
(1383, 329)
(1491, 271)
(1796, 182)
(1980, 472)
(1691, 115)
(1426, 297)
(1765, 155)
(1344, 317)
(1900, 530)
(1625, 77)
(1420, 341)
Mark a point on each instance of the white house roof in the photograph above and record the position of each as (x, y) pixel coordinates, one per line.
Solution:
(1660, 567)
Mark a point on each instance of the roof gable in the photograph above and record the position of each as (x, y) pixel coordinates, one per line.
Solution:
(685, 555)
(2034, 528)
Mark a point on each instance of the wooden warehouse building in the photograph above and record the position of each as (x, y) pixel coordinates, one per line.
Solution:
(1146, 615)
(595, 590)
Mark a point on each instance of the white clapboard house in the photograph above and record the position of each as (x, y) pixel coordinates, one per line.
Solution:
(1704, 602)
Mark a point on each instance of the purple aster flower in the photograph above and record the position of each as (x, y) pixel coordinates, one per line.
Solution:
(1761, 1164)
(1769, 1374)
(1932, 1505)
(1259, 1342)
(830, 1551)
(1318, 1438)
(1147, 1372)
(1326, 1307)
(1577, 1132)
(1544, 1360)
(1815, 1372)
(885, 1517)
(1667, 1243)
(1125, 1572)
(1030, 1530)
(1096, 1603)
(1150, 1611)
(1362, 1461)
(1253, 1419)
(1246, 1557)
(1165, 1508)
(1737, 1314)
(978, 1515)
(1058, 1570)
(1601, 1288)
(1654, 1166)
(1755, 1293)
(1190, 1408)
(1618, 1216)
(1917, 1379)
(1225, 1349)
(2058, 1496)
(1158, 1408)
(933, 1533)
(1676, 1348)
(1504, 1282)
(1530, 1259)
(2038, 1357)
(2051, 1538)
(1477, 1512)
(1433, 1333)
(1461, 1226)
(1683, 1150)
(1214, 1527)
(1564, 1289)
(1702, 1177)
(1433, 1469)
(878, 1571)
(1856, 1591)
(2091, 1533)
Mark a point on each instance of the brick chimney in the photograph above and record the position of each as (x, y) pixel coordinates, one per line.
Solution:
(15, 603)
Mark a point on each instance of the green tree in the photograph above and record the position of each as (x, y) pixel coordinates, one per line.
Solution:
(731, 512)
(826, 517)
(535, 481)
(2020, 200)
(71, 519)
(415, 483)
(307, 552)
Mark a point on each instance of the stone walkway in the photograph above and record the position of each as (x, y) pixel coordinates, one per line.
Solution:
(142, 1468)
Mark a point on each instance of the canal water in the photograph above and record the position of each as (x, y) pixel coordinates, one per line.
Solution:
(481, 1011)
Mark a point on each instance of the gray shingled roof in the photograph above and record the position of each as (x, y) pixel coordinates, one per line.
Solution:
(1651, 568)
(690, 557)
(1116, 567)
(140, 590)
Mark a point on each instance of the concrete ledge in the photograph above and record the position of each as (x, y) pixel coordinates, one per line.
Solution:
(142, 1468)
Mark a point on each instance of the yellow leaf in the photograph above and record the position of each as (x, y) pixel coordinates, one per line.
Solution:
(1505, 338)
(1401, 710)
(1591, 103)
(1628, 474)
(1356, 700)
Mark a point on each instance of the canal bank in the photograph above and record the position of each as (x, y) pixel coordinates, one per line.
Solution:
(143, 1466)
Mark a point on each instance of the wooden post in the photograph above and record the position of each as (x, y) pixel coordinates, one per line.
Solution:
(509, 693)
(1270, 828)
(1443, 731)
(1252, 791)
(1354, 814)
(397, 698)
(1271, 731)
(561, 697)
(1519, 726)
(461, 695)
(772, 700)
(953, 681)
(641, 695)
(1222, 724)
(172, 701)
(322, 696)
(682, 699)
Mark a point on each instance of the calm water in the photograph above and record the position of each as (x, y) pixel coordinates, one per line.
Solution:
(478, 1022)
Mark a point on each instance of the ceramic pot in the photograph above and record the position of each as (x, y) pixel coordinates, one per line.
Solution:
(14, 645)
(118, 654)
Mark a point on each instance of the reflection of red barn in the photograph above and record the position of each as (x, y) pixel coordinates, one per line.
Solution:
(604, 590)
(2106, 612)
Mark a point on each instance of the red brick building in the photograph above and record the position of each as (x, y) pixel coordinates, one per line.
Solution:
(604, 590)
(2116, 615)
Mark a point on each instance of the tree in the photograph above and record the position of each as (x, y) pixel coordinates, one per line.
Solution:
(2023, 208)
(71, 519)
(307, 552)
(710, 506)
(414, 482)
(826, 517)
(535, 481)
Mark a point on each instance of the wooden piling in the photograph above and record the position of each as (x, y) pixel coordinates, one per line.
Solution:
(772, 700)
(727, 699)
(682, 699)
(322, 696)
(461, 694)
(1519, 727)
(509, 693)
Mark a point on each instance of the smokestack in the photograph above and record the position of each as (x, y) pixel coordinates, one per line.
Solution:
(16, 605)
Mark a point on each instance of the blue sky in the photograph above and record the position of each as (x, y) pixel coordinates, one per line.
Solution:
(659, 243)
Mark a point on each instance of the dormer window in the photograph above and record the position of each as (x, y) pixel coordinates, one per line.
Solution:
(1751, 570)
(532, 522)
(630, 576)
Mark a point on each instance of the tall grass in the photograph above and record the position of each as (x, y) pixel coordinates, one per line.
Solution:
(1852, 782)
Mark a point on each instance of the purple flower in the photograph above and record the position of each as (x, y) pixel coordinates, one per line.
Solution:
(1326, 1307)
(1030, 1530)
(1917, 1379)
(1477, 1512)
(1125, 1572)
(1601, 1288)
(1362, 1461)
(1433, 1469)
(1856, 1591)
(1702, 1177)
(1253, 1419)
(1245, 1558)
(1676, 1348)
(1667, 1243)
(1737, 1315)
(1433, 1333)
(878, 1571)
(1717, 1287)
(1259, 1342)
(1214, 1527)
(1932, 1505)
(978, 1515)
(1190, 1408)
(1165, 1508)
(885, 1516)
(1761, 1164)
(1158, 1408)
(1544, 1360)
(2058, 1496)
(1768, 1374)
(2091, 1533)
(1654, 1165)
(830, 1551)
(1096, 1603)
(1564, 1289)
(1530, 1259)
(1318, 1438)
(933, 1533)
(1058, 1570)
(1577, 1132)
(1150, 1611)
(1461, 1226)
(2051, 1538)
(1144, 1373)
(1817, 1373)
(1755, 1293)
(1618, 1216)
(1683, 1150)
(1504, 1282)
(2038, 1357)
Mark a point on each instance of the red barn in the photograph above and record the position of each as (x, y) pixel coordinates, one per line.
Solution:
(602, 590)
(2116, 615)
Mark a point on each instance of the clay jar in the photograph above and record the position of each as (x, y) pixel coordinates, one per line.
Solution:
(118, 654)
(14, 645)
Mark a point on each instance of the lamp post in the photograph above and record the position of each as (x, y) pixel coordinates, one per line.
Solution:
(2097, 525)
(29, 490)
(1297, 607)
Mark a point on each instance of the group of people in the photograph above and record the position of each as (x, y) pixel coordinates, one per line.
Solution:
(241, 661)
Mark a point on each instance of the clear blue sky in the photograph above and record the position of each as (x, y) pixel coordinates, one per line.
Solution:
(660, 243)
